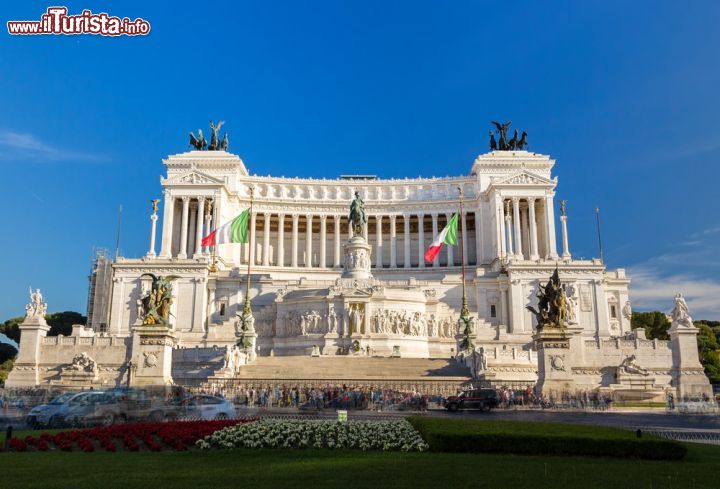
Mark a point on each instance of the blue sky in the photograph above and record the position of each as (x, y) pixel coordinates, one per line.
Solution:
(623, 94)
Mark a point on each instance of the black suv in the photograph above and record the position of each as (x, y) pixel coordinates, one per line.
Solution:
(482, 399)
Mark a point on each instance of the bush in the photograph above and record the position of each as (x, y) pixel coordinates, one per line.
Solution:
(526, 438)
(362, 435)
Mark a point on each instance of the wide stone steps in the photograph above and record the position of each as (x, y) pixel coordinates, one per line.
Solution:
(348, 367)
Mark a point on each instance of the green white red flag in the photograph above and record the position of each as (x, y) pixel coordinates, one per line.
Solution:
(447, 236)
(235, 231)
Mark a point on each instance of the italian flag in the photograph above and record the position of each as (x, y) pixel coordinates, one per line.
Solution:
(235, 231)
(447, 236)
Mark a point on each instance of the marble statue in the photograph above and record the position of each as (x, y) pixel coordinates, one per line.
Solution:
(627, 310)
(355, 314)
(229, 358)
(482, 359)
(37, 306)
(572, 303)
(82, 362)
(680, 313)
(630, 366)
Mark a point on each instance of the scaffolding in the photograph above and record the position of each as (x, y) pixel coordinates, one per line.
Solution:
(100, 287)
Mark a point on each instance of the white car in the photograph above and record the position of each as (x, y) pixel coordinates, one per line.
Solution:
(209, 407)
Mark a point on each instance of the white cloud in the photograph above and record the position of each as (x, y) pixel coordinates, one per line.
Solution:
(653, 289)
(17, 145)
(690, 267)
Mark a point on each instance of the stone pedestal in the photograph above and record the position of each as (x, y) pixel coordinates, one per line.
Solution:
(687, 372)
(556, 357)
(25, 370)
(357, 258)
(78, 378)
(152, 355)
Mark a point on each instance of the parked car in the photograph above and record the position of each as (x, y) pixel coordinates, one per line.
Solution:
(46, 415)
(482, 399)
(199, 406)
(95, 408)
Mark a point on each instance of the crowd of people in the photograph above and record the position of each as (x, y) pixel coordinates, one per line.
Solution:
(327, 397)
(17, 402)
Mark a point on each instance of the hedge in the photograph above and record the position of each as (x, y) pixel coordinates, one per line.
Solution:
(527, 438)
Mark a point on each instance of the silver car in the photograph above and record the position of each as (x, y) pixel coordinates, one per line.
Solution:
(46, 415)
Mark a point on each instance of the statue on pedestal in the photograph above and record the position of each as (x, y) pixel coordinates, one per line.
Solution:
(155, 307)
(553, 304)
(37, 308)
(680, 313)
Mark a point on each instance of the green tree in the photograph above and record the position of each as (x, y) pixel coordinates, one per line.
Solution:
(655, 324)
(61, 322)
(709, 348)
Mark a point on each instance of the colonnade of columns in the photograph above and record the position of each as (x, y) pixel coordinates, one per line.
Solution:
(527, 229)
(184, 238)
(315, 241)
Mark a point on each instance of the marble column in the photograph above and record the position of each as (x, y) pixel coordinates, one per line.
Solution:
(500, 228)
(167, 230)
(508, 232)
(323, 239)
(566, 245)
(533, 230)
(406, 242)
(281, 241)
(421, 240)
(336, 258)
(293, 256)
(365, 232)
(463, 224)
(450, 250)
(308, 240)
(436, 261)
(266, 240)
(393, 242)
(199, 227)
(153, 226)
(208, 227)
(184, 227)
(516, 222)
(550, 218)
(379, 245)
(479, 245)
(504, 311)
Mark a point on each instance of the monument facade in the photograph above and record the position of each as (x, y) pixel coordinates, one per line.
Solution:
(328, 282)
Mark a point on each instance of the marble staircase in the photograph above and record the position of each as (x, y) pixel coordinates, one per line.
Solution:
(354, 368)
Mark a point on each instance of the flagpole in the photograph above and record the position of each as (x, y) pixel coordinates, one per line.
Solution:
(247, 311)
(464, 312)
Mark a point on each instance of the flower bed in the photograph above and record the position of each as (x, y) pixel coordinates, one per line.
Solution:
(175, 435)
(362, 435)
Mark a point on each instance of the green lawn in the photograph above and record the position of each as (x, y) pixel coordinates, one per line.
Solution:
(536, 438)
(324, 468)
